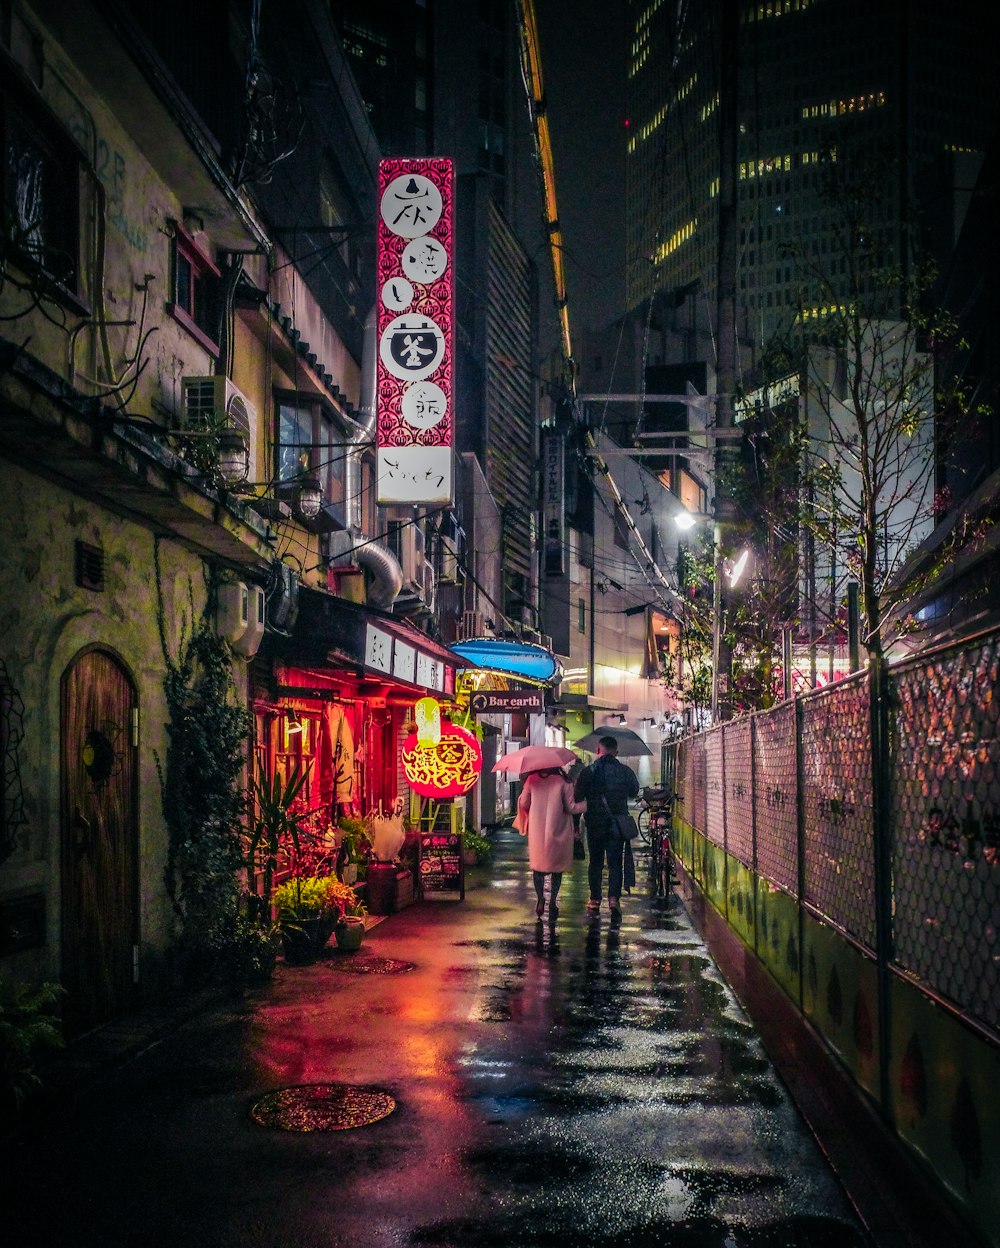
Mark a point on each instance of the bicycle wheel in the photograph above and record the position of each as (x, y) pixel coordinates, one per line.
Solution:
(667, 866)
(642, 823)
(654, 863)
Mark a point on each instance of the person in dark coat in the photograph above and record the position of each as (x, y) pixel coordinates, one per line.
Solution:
(609, 781)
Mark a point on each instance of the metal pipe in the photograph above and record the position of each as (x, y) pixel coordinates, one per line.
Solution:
(366, 427)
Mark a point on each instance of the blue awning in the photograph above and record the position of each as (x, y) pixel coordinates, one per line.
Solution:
(514, 658)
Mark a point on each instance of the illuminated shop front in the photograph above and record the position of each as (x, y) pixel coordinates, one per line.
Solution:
(338, 695)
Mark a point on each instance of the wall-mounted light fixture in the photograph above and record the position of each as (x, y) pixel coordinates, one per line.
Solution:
(231, 460)
(310, 498)
(234, 457)
(292, 722)
(685, 519)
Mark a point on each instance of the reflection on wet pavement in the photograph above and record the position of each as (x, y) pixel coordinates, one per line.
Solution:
(576, 1085)
(629, 1099)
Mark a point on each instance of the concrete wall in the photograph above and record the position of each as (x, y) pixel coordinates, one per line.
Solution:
(45, 620)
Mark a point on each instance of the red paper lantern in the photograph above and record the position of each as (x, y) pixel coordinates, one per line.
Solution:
(447, 769)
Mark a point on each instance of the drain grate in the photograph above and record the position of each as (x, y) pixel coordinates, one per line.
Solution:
(372, 966)
(322, 1107)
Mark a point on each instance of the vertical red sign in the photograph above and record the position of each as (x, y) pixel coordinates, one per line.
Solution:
(415, 290)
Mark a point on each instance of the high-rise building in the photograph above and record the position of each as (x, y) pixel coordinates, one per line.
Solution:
(443, 79)
(387, 45)
(905, 74)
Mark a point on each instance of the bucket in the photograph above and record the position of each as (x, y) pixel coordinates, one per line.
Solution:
(380, 888)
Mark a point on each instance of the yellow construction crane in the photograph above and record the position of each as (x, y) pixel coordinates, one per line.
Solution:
(531, 65)
(531, 68)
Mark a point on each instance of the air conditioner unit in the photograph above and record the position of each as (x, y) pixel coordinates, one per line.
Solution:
(249, 643)
(215, 403)
(471, 625)
(342, 546)
(233, 612)
(239, 616)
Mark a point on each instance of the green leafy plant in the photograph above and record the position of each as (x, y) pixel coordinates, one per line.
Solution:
(479, 845)
(248, 954)
(355, 844)
(303, 898)
(275, 826)
(29, 1025)
(202, 792)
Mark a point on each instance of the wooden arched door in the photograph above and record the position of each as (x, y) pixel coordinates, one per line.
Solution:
(100, 890)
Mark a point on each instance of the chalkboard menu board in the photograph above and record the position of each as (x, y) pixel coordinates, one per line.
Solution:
(442, 864)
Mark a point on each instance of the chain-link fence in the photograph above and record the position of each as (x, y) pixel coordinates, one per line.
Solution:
(790, 793)
(946, 824)
(839, 870)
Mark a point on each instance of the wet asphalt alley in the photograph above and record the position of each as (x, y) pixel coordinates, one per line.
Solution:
(575, 1085)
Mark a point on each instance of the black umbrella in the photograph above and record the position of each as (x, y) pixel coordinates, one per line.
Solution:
(630, 744)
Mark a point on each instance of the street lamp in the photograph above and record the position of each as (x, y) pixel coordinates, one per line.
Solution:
(734, 568)
(728, 573)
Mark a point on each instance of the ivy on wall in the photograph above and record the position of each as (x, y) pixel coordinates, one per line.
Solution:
(202, 787)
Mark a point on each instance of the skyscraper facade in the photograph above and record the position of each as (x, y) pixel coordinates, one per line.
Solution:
(443, 79)
(902, 76)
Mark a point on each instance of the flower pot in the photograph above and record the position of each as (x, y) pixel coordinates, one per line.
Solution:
(301, 942)
(350, 932)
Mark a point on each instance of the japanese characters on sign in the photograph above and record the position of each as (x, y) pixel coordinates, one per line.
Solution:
(554, 502)
(393, 657)
(447, 769)
(415, 423)
(442, 868)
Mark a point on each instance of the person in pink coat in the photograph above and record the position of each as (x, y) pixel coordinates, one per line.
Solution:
(545, 813)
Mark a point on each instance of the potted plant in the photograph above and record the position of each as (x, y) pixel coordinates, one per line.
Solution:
(350, 925)
(477, 849)
(274, 828)
(308, 909)
(354, 849)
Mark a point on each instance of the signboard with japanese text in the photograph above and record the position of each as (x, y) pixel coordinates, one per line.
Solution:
(554, 503)
(448, 768)
(415, 420)
(393, 657)
(442, 863)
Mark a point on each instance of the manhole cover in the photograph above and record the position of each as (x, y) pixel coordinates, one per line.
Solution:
(372, 966)
(322, 1107)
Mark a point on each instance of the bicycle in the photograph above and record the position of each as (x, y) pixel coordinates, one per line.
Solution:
(654, 821)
